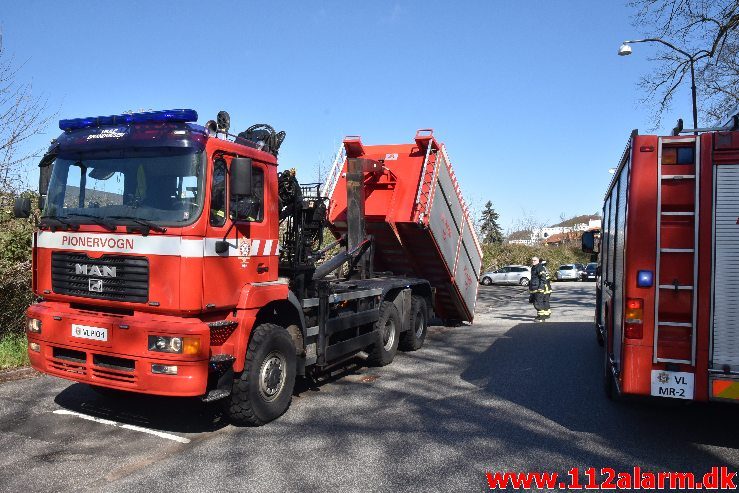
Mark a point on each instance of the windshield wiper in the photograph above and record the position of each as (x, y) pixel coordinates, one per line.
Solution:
(96, 219)
(60, 221)
(142, 222)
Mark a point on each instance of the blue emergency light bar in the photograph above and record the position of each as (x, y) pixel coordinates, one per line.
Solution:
(180, 115)
(645, 279)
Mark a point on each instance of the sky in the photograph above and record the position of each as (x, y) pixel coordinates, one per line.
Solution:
(530, 98)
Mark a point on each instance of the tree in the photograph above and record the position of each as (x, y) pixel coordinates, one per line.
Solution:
(22, 115)
(706, 29)
(489, 227)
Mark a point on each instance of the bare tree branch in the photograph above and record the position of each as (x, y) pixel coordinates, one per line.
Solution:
(22, 116)
(706, 29)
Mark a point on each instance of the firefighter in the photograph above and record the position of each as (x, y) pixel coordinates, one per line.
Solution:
(540, 289)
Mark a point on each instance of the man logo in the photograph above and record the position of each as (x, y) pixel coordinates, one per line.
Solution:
(95, 286)
(663, 377)
(94, 270)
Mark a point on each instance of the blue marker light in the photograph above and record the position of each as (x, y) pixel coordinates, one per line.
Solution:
(645, 278)
(179, 115)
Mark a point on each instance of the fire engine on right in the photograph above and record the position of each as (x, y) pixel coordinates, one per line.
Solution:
(668, 267)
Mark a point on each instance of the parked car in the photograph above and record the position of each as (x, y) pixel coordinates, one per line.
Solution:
(580, 270)
(568, 272)
(590, 272)
(510, 274)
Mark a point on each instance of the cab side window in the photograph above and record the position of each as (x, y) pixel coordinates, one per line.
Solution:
(258, 194)
(218, 194)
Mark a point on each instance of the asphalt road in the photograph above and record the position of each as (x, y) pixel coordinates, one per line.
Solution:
(504, 394)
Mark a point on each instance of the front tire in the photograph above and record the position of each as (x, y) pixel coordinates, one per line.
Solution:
(487, 281)
(412, 339)
(387, 327)
(263, 391)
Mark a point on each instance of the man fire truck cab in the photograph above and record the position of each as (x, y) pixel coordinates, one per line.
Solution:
(666, 310)
(160, 270)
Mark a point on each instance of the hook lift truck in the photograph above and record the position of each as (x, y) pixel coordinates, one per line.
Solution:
(173, 259)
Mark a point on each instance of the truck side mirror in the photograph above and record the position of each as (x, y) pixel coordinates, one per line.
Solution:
(22, 208)
(240, 179)
(588, 242)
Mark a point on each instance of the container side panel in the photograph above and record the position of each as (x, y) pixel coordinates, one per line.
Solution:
(450, 195)
(445, 232)
(466, 280)
(468, 247)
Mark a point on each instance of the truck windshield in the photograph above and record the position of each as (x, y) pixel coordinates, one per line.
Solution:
(162, 189)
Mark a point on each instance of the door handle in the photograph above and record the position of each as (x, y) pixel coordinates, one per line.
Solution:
(262, 268)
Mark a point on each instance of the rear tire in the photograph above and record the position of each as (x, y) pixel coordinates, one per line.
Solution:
(524, 281)
(487, 281)
(263, 391)
(387, 327)
(609, 386)
(412, 339)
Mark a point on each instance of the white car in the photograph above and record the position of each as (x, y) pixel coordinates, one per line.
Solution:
(568, 272)
(510, 274)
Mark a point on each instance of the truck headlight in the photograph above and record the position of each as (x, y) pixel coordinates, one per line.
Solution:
(34, 325)
(174, 344)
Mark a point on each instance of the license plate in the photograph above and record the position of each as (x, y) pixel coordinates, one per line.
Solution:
(88, 332)
(675, 384)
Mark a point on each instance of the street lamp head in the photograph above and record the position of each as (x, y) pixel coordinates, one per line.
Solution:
(624, 50)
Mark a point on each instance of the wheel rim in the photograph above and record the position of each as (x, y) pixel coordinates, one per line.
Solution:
(524, 282)
(487, 281)
(272, 375)
(388, 335)
(420, 324)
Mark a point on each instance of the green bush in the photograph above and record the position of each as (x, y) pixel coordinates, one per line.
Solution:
(13, 351)
(496, 255)
(15, 274)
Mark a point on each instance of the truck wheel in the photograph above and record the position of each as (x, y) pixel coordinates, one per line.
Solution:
(382, 352)
(263, 391)
(412, 339)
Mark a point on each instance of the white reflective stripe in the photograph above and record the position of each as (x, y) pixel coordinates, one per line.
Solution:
(192, 248)
(153, 245)
(267, 247)
(112, 243)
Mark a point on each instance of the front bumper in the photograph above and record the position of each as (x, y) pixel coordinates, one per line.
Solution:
(123, 361)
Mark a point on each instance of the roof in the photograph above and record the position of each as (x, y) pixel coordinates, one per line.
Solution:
(556, 238)
(582, 219)
(520, 235)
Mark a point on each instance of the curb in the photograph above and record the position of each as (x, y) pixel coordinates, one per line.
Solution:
(18, 374)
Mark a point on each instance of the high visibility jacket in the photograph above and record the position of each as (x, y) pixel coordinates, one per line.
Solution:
(540, 282)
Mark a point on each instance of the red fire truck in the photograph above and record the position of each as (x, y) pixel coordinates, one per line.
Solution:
(667, 295)
(173, 259)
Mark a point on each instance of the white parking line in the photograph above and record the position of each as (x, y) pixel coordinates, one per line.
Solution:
(160, 434)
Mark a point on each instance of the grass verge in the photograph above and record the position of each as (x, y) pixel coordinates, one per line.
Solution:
(13, 351)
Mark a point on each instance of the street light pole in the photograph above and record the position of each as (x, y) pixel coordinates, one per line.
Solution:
(625, 49)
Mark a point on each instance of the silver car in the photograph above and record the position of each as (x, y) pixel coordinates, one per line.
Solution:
(568, 272)
(510, 274)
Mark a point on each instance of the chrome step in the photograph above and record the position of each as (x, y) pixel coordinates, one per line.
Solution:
(678, 213)
(677, 177)
(677, 250)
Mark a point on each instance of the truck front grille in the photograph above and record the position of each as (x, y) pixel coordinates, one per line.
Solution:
(110, 277)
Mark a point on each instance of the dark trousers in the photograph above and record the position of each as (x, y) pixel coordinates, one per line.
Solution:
(541, 304)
